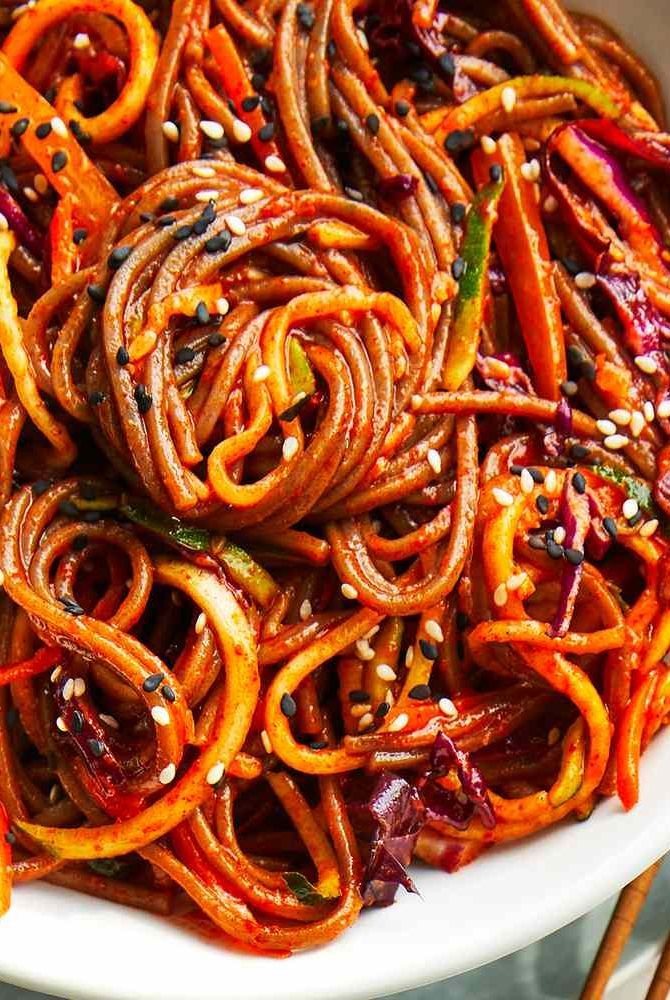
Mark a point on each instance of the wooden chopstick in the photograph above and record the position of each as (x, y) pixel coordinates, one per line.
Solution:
(660, 984)
(622, 921)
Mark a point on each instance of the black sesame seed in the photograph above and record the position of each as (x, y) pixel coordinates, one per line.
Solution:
(266, 132)
(182, 232)
(495, 173)
(97, 747)
(249, 103)
(554, 550)
(97, 293)
(217, 243)
(447, 64)
(40, 486)
(372, 123)
(142, 398)
(536, 542)
(318, 745)
(331, 49)
(429, 649)
(122, 356)
(168, 693)
(184, 355)
(458, 268)
(306, 16)
(9, 177)
(288, 705)
(79, 235)
(58, 160)
(147, 216)
(200, 226)
(71, 606)
(215, 339)
(19, 127)
(536, 475)
(266, 105)
(574, 556)
(152, 682)
(579, 482)
(202, 314)
(78, 132)
(208, 213)
(462, 620)
(7, 109)
(431, 183)
(77, 721)
(420, 692)
(169, 204)
(96, 398)
(50, 95)
(10, 838)
(542, 504)
(579, 452)
(458, 210)
(43, 130)
(382, 709)
(516, 469)
(575, 356)
(609, 524)
(402, 108)
(459, 140)
(359, 697)
(166, 220)
(117, 256)
(569, 388)
(79, 542)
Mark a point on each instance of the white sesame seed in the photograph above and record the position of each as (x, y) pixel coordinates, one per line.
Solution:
(489, 145)
(648, 528)
(416, 401)
(530, 171)
(559, 535)
(60, 724)
(630, 508)
(261, 374)
(364, 650)
(527, 481)
(79, 687)
(385, 672)
(615, 442)
(81, 40)
(550, 482)
(663, 409)
(500, 595)
(160, 715)
(222, 306)
(516, 581)
(606, 426)
(204, 172)
(349, 592)
(68, 689)
(409, 657)
(289, 449)
(502, 497)
(250, 195)
(213, 130)
(508, 98)
(4, 225)
(171, 131)
(433, 630)
(434, 460)
(637, 423)
(585, 280)
(241, 131)
(236, 225)
(274, 164)
(646, 364)
(265, 740)
(620, 417)
(59, 127)
(208, 194)
(447, 707)
(55, 674)
(31, 194)
(553, 736)
(305, 610)
(365, 720)
(371, 632)
(109, 720)
(399, 722)
(550, 204)
(648, 411)
(200, 623)
(41, 184)
(167, 774)
(215, 773)
(363, 39)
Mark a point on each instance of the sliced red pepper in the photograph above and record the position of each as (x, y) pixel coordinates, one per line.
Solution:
(522, 245)
(469, 313)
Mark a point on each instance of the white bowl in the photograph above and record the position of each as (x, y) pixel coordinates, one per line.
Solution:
(67, 944)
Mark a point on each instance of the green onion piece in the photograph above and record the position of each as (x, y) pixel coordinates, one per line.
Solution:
(635, 488)
(300, 370)
(302, 889)
(188, 535)
(245, 572)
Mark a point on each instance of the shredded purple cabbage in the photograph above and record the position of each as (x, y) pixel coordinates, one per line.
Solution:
(26, 234)
(598, 540)
(573, 514)
(556, 437)
(456, 808)
(515, 380)
(398, 811)
(398, 186)
(651, 147)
